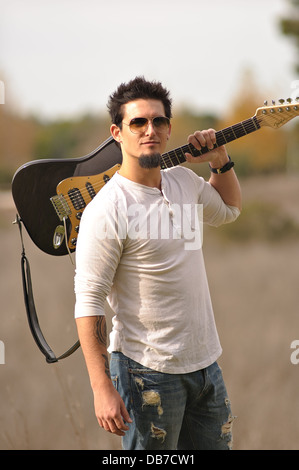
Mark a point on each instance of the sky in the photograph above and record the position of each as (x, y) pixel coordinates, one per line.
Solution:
(63, 58)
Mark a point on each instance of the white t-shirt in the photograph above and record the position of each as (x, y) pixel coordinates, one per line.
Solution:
(141, 249)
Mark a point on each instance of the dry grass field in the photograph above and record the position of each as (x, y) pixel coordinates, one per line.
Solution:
(254, 281)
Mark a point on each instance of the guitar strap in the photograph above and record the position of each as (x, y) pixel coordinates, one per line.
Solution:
(31, 310)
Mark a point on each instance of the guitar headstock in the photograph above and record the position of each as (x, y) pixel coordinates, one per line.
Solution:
(277, 115)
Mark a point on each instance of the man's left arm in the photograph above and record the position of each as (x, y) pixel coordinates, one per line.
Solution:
(226, 184)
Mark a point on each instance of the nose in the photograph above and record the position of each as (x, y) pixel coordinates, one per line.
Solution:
(150, 128)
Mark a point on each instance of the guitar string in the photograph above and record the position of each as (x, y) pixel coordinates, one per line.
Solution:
(242, 128)
(237, 130)
(169, 159)
(177, 156)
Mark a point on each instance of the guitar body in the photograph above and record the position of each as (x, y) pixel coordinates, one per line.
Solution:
(36, 182)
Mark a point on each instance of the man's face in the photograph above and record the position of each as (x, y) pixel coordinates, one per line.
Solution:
(151, 141)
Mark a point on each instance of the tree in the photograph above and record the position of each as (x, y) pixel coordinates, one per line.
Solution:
(290, 27)
(263, 151)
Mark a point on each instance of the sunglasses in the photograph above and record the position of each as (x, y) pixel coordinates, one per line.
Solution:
(140, 125)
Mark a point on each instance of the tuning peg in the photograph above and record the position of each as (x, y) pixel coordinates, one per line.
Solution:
(297, 98)
(265, 102)
(281, 101)
(289, 100)
(273, 102)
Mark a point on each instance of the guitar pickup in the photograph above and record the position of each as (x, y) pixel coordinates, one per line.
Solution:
(61, 206)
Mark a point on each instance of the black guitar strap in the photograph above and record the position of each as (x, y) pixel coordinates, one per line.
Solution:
(31, 310)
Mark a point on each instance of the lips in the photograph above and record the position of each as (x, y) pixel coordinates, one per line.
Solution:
(150, 142)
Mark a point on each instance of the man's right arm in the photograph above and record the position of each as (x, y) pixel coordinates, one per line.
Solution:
(109, 406)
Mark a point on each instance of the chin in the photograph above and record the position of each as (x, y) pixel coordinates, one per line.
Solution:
(152, 160)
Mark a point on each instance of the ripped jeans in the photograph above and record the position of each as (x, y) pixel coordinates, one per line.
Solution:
(173, 411)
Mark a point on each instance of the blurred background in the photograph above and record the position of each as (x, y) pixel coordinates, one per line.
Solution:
(59, 61)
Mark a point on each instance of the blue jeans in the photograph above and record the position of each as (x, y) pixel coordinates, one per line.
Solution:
(173, 411)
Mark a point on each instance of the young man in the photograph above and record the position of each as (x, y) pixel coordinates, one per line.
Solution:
(164, 389)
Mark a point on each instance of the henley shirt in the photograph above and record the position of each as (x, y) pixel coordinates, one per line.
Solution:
(140, 249)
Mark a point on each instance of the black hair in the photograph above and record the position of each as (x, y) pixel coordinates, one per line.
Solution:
(138, 88)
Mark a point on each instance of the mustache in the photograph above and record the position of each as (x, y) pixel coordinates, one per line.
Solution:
(150, 161)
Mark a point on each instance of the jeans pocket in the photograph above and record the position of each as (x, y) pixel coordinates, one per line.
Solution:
(115, 381)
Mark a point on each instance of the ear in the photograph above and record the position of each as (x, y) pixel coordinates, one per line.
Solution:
(169, 132)
(116, 133)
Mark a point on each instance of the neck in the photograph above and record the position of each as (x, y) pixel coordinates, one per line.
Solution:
(146, 176)
(177, 156)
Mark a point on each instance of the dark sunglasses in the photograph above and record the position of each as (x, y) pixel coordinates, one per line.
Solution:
(140, 125)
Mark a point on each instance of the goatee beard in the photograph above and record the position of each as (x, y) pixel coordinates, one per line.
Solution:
(150, 161)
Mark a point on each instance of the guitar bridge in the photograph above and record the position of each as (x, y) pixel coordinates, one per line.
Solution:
(61, 206)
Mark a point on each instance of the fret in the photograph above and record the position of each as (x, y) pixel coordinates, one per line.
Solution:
(249, 126)
(194, 151)
(223, 135)
(255, 122)
(243, 129)
(177, 156)
(176, 152)
(170, 160)
(180, 152)
(173, 158)
(228, 134)
(233, 133)
(189, 148)
(220, 138)
(163, 164)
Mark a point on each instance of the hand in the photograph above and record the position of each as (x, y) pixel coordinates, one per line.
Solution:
(207, 138)
(111, 412)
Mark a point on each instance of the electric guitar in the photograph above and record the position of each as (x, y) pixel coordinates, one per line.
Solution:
(51, 195)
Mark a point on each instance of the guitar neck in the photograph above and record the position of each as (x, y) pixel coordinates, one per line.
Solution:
(177, 156)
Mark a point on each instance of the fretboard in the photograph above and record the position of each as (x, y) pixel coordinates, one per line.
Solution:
(177, 156)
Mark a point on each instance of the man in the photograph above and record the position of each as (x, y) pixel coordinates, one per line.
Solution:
(165, 390)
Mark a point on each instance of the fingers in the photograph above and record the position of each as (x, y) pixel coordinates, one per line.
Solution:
(114, 426)
(111, 412)
(204, 139)
(201, 139)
